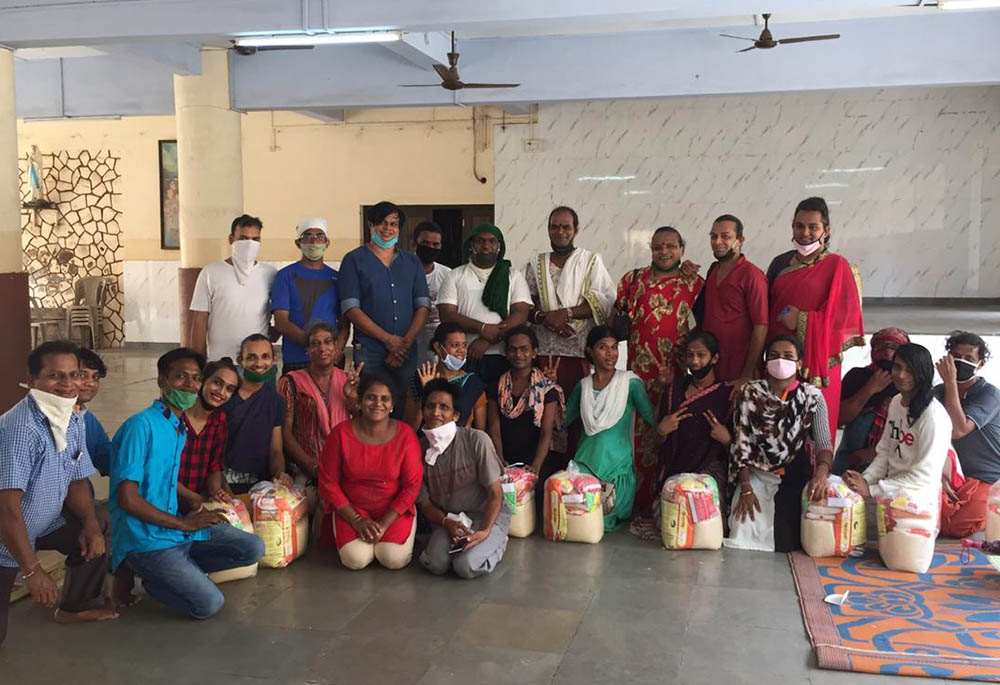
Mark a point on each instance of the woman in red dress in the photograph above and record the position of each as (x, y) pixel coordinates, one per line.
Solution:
(370, 474)
(657, 301)
(815, 296)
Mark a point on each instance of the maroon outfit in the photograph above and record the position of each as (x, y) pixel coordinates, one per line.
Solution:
(204, 452)
(732, 308)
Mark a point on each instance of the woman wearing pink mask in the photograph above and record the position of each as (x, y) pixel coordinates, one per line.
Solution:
(778, 422)
(815, 295)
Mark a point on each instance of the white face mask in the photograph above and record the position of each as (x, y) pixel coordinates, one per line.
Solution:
(782, 369)
(58, 410)
(453, 363)
(806, 250)
(439, 439)
(244, 256)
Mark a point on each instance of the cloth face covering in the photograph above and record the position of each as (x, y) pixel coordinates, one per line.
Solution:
(702, 372)
(182, 399)
(439, 439)
(781, 369)
(428, 255)
(255, 377)
(453, 363)
(806, 250)
(312, 252)
(244, 256)
(964, 370)
(384, 243)
(58, 410)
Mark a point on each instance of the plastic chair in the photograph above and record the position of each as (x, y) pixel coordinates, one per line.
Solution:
(87, 310)
(43, 319)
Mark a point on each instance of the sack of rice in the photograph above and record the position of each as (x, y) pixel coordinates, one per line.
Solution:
(519, 493)
(907, 527)
(993, 512)
(238, 517)
(281, 520)
(834, 526)
(690, 514)
(572, 508)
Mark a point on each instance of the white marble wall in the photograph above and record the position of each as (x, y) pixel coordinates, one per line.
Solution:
(912, 177)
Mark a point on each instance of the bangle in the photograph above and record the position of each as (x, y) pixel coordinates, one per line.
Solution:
(569, 313)
(32, 570)
(743, 493)
(482, 328)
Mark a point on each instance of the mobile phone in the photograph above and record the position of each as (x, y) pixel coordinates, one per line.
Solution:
(458, 546)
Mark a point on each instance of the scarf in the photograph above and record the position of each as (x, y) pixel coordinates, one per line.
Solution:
(330, 410)
(880, 411)
(438, 440)
(497, 288)
(604, 411)
(244, 258)
(533, 398)
(58, 410)
(769, 432)
(580, 280)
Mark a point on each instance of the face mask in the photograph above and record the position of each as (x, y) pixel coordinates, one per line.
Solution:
(377, 239)
(702, 372)
(806, 250)
(58, 410)
(312, 251)
(964, 370)
(438, 440)
(782, 369)
(485, 260)
(884, 364)
(658, 269)
(453, 363)
(244, 255)
(255, 377)
(182, 399)
(427, 254)
(729, 255)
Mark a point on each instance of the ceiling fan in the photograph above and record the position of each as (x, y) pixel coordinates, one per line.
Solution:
(449, 75)
(767, 41)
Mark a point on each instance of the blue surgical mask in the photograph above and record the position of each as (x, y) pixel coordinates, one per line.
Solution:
(453, 363)
(384, 243)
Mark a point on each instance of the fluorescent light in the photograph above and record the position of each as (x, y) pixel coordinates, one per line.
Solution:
(853, 170)
(967, 4)
(812, 186)
(305, 40)
(636, 192)
(605, 178)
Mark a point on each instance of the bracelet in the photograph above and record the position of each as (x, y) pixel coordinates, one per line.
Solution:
(745, 492)
(32, 570)
(569, 313)
(482, 328)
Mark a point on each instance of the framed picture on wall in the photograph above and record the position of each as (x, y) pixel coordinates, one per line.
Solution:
(170, 232)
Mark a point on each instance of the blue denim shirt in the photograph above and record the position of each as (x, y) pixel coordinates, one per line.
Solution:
(389, 296)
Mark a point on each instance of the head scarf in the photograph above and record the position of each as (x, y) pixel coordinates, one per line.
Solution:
(886, 336)
(497, 287)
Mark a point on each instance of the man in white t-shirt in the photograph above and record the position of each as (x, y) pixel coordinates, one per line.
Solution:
(486, 298)
(428, 240)
(231, 297)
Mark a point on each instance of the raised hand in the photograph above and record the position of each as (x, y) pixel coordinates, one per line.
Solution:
(672, 422)
(719, 431)
(552, 370)
(426, 372)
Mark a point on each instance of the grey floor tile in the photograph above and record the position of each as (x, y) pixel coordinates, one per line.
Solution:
(463, 663)
(731, 651)
(654, 669)
(518, 627)
(758, 608)
(629, 634)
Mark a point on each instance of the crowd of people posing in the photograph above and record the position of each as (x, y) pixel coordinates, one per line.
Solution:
(455, 374)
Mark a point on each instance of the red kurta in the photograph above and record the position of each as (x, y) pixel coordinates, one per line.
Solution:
(830, 321)
(659, 312)
(371, 478)
(732, 309)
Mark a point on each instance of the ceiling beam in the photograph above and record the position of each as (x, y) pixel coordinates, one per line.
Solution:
(179, 57)
(326, 115)
(423, 49)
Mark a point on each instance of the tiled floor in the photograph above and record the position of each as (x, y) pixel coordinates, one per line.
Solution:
(619, 612)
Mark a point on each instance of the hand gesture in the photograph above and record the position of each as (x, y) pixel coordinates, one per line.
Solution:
(426, 372)
(878, 381)
(42, 588)
(353, 373)
(202, 518)
(946, 369)
(855, 481)
(719, 431)
(666, 375)
(91, 542)
(746, 504)
(552, 370)
(737, 386)
(790, 319)
(689, 270)
(478, 348)
(672, 422)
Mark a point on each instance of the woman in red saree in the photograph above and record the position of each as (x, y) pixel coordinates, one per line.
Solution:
(816, 297)
(657, 302)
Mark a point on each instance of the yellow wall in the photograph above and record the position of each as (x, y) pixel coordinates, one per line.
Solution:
(295, 166)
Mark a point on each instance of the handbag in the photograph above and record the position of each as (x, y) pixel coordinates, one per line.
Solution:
(622, 325)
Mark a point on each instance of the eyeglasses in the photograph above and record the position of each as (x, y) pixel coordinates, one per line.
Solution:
(313, 239)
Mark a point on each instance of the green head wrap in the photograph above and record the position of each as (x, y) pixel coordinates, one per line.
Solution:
(497, 286)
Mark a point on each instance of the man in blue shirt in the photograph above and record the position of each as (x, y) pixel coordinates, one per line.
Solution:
(383, 293)
(170, 553)
(306, 292)
(45, 501)
(92, 370)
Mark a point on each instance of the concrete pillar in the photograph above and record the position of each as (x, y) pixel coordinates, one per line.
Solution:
(209, 168)
(16, 338)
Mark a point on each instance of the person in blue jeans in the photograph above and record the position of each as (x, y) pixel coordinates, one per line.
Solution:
(92, 370)
(305, 292)
(383, 293)
(170, 553)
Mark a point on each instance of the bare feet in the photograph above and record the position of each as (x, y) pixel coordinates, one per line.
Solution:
(121, 592)
(106, 614)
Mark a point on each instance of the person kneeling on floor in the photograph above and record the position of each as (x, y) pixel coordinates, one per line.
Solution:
(171, 554)
(461, 476)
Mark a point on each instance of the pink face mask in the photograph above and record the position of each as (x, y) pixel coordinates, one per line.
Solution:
(806, 250)
(782, 369)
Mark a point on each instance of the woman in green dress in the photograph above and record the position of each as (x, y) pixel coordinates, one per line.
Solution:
(606, 403)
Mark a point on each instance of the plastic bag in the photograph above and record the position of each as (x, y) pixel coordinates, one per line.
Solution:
(689, 512)
(834, 526)
(572, 508)
(756, 533)
(907, 527)
(518, 486)
(281, 520)
(993, 512)
(238, 517)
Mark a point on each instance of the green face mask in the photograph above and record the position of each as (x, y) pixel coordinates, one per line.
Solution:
(312, 251)
(254, 377)
(181, 399)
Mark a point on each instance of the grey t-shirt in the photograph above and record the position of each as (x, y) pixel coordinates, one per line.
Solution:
(979, 451)
(462, 475)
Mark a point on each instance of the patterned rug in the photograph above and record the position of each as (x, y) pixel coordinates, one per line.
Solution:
(941, 624)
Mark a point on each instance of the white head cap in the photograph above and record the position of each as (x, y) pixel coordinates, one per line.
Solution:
(311, 222)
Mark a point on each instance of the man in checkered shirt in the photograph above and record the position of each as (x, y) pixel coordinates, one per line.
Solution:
(45, 500)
